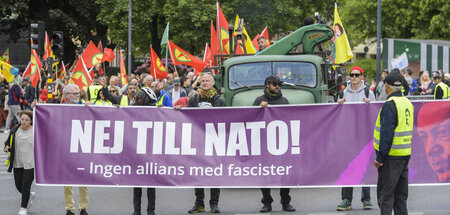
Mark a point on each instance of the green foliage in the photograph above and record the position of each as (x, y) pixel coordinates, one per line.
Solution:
(413, 19)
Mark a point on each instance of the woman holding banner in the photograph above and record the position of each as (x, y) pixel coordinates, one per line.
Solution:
(20, 145)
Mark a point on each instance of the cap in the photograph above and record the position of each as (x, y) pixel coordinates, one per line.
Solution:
(357, 68)
(272, 79)
(176, 81)
(25, 79)
(436, 74)
(394, 79)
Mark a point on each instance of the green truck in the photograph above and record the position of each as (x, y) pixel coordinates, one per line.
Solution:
(307, 78)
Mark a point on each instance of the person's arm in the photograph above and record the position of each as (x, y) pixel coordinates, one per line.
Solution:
(112, 98)
(388, 121)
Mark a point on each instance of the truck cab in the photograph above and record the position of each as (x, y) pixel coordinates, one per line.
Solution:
(305, 76)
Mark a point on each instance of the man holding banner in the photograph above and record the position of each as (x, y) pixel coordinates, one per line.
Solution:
(273, 96)
(392, 142)
(207, 98)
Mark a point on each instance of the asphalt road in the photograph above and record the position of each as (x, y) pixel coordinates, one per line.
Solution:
(433, 200)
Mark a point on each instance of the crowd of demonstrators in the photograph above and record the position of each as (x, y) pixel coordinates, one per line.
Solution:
(356, 91)
(272, 96)
(20, 145)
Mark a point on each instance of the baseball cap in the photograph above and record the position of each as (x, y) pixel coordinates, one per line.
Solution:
(176, 81)
(436, 74)
(272, 79)
(394, 79)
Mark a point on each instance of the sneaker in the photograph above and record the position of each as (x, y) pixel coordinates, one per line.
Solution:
(215, 209)
(69, 212)
(288, 208)
(345, 205)
(265, 209)
(22, 211)
(197, 209)
(367, 205)
(83, 212)
(136, 213)
(30, 201)
(151, 213)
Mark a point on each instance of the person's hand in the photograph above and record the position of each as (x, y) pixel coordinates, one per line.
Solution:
(87, 103)
(6, 149)
(378, 164)
(264, 104)
(33, 104)
(341, 101)
(116, 105)
(102, 82)
(367, 100)
(178, 107)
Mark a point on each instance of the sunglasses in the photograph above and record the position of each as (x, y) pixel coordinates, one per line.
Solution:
(276, 84)
(112, 91)
(354, 75)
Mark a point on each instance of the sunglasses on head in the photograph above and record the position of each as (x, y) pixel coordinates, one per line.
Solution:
(354, 75)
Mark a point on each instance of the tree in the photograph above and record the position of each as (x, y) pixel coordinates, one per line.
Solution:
(400, 19)
(75, 18)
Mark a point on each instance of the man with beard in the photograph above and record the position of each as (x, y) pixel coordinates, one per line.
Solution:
(433, 123)
(272, 96)
(145, 97)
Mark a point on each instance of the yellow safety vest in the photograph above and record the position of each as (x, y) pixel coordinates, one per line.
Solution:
(93, 92)
(124, 101)
(99, 102)
(160, 101)
(401, 144)
(444, 88)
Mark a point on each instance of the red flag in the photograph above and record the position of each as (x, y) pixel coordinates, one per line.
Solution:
(63, 70)
(255, 42)
(27, 71)
(265, 34)
(91, 55)
(46, 47)
(214, 44)
(80, 75)
(222, 31)
(123, 72)
(100, 66)
(180, 56)
(157, 69)
(108, 55)
(36, 67)
(207, 57)
(239, 50)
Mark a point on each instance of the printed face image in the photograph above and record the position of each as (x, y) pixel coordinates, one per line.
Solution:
(433, 128)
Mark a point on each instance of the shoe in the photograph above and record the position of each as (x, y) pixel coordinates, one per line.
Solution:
(215, 209)
(367, 205)
(30, 201)
(265, 209)
(288, 208)
(136, 213)
(345, 205)
(197, 209)
(22, 211)
(151, 213)
(83, 212)
(68, 212)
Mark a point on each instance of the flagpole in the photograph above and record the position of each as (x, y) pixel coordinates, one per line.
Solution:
(171, 55)
(167, 47)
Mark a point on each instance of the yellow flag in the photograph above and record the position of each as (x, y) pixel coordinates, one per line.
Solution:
(343, 49)
(248, 43)
(8, 71)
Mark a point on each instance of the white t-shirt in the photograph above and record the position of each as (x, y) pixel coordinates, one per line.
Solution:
(175, 95)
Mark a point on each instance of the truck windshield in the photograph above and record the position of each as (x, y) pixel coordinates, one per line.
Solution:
(254, 74)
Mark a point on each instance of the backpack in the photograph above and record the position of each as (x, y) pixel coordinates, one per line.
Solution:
(366, 92)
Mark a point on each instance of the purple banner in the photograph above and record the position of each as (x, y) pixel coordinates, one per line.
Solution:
(278, 146)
